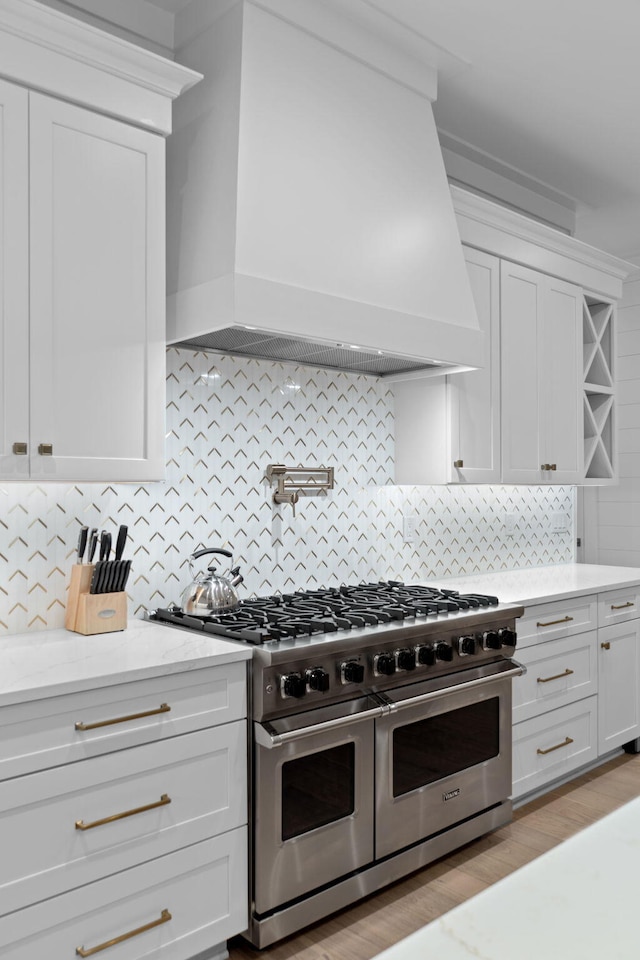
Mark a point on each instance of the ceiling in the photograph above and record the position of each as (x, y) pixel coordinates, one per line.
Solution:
(547, 88)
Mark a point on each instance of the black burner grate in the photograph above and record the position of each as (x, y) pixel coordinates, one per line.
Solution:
(309, 612)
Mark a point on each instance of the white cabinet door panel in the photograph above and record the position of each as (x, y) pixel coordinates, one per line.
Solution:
(475, 396)
(618, 685)
(97, 295)
(521, 306)
(14, 279)
(561, 372)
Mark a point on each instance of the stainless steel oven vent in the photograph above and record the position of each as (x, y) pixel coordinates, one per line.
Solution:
(271, 346)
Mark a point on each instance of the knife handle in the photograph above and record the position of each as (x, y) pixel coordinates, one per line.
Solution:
(93, 540)
(82, 542)
(121, 541)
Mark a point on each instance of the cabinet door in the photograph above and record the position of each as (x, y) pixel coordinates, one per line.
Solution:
(474, 397)
(14, 280)
(97, 296)
(522, 295)
(561, 381)
(618, 685)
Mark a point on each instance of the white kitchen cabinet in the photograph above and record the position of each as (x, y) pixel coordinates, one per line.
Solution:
(618, 685)
(126, 808)
(541, 336)
(448, 430)
(82, 241)
(14, 303)
(96, 296)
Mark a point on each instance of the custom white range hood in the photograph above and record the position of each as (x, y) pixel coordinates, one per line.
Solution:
(309, 215)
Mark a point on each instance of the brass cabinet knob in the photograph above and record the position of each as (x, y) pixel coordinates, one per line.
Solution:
(45, 449)
(458, 464)
(20, 449)
(606, 645)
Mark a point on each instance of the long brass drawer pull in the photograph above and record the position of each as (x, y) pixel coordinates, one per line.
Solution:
(558, 676)
(164, 917)
(552, 623)
(622, 606)
(162, 802)
(558, 746)
(163, 708)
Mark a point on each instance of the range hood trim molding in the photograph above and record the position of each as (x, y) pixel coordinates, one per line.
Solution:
(270, 307)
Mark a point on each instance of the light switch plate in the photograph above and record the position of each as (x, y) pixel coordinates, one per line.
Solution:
(409, 522)
(510, 524)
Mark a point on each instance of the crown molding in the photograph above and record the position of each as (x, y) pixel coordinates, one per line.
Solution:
(496, 229)
(58, 54)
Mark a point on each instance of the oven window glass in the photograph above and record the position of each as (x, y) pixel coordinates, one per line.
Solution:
(317, 789)
(445, 744)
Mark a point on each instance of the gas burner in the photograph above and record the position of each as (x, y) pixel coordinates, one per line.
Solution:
(306, 613)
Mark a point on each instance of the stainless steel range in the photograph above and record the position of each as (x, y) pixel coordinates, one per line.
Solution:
(381, 719)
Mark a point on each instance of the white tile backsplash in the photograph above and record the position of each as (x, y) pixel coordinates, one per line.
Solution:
(227, 419)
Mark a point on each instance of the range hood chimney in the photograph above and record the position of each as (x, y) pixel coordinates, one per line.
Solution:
(309, 215)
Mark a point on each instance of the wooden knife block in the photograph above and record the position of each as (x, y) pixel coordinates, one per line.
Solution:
(91, 613)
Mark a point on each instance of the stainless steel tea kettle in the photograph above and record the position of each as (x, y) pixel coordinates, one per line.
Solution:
(211, 594)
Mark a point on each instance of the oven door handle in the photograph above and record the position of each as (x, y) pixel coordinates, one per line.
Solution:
(269, 738)
(518, 670)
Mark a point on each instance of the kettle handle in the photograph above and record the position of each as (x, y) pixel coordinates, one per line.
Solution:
(201, 553)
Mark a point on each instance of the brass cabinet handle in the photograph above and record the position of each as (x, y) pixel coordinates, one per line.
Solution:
(458, 464)
(20, 449)
(165, 916)
(552, 623)
(606, 645)
(621, 606)
(558, 746)
(552, 466)
(162, 802)
(163, 708)
(548, 466)
(45, 449)
(558, 676)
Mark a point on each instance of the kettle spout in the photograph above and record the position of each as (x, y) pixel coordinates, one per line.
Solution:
(236, 577)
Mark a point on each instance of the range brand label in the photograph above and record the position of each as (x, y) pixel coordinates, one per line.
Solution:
(450, 794)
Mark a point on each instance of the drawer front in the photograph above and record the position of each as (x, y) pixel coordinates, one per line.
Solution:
(44, 733)
(552, 621)
(56, 827)
(553, 745)
(558, 673)
(618, 606)
(203, 888)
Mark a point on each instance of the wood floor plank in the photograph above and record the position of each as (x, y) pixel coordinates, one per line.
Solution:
(370, 926)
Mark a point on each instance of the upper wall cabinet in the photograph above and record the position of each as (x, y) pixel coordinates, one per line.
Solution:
(542, 408)
(541, 377)
(82, 312)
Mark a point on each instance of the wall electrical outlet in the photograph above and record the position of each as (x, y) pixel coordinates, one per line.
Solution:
(510, 524)
(409, 523)
(559, 522)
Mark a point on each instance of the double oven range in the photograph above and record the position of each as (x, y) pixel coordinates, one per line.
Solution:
(380, 718)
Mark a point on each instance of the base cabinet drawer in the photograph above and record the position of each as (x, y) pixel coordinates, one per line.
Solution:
(553, 621)
(64, 828)
(558, 673)
(617, 606)
(167, 909)
(552, 745)
(57, 730)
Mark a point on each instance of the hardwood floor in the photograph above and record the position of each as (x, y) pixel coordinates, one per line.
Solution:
(363, 930)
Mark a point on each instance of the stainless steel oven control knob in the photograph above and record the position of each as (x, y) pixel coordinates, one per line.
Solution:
(405, 659)
(384, 664)
(293, 685)
(444, 652)
(352, 672)
(491, 640)
(467, 646)
(508, 637)
(426, 655)
(318, 679)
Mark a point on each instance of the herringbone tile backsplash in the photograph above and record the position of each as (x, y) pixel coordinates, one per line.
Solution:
(227, 419)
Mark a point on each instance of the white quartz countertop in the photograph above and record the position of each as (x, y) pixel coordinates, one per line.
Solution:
(49, 663)
(543, 584)
(579, 901)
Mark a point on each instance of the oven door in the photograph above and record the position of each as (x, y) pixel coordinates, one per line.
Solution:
(443, 754)
(313, 799)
